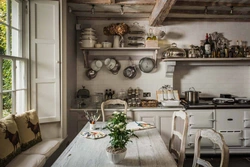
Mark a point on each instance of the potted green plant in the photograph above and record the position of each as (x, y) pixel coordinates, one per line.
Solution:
(119, 136)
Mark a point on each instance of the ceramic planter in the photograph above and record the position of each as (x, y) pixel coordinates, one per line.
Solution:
(116, 157)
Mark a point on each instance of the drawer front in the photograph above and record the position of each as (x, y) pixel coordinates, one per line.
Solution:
(232, 138)
(246, 137)
(191, 139)
(201, 119)
(246, 119)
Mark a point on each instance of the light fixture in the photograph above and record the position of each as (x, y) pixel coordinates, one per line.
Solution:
(232, 10)
(205, 10)
(122, 11)
(93, 9)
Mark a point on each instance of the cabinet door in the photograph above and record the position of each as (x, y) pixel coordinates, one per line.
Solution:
(229, 119)
(191, 139)
(246, 119)
(162, 120)
(246, 135)
(232, 138)
(201, 119)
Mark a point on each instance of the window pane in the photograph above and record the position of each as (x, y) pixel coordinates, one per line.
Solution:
(14, 15)
(7, 74)
(7, 103)
(20, 75)
(3, 39)
(15, 47)
(21, 101)
(3, 11)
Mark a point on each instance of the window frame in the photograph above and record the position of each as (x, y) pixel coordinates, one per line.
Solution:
(15, 58)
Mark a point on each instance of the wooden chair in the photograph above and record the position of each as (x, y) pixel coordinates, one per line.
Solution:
(179, 155)
(113, 101)
(216, 138)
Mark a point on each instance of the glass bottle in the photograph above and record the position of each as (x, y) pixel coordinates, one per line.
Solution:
(207, 46)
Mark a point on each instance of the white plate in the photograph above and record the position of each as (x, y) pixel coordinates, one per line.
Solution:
(93, 134)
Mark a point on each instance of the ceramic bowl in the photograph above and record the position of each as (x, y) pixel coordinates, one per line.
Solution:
(87, 43)
(98, 45)
(107, 44)
(88, 37)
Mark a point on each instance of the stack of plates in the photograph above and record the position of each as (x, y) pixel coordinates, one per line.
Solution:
(88, 38)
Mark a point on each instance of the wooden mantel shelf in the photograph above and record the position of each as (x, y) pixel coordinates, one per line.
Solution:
(207, 59)
(172, 62)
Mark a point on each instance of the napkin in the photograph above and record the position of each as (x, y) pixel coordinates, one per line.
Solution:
(139, 125)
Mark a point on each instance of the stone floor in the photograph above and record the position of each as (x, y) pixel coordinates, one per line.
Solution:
(234, 160)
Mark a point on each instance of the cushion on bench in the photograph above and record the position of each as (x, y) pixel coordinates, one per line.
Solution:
(24, 160)
(9, 140)
(46, 147)
(29, 129)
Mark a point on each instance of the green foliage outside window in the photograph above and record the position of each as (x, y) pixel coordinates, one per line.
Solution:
(7, 64)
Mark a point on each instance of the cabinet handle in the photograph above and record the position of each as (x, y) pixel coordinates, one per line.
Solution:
(242, 138)
(191, 124)
(244, 120)
(213, 120)
(230, 119)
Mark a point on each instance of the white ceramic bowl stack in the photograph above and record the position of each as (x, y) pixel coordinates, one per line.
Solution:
(88, 38)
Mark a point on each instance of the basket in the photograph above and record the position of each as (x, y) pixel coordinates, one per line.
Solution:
(149, 103)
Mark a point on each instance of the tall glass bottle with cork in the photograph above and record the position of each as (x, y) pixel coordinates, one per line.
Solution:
(207, 47)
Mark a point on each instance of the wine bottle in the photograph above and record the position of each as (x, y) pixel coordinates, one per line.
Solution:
(207, 47)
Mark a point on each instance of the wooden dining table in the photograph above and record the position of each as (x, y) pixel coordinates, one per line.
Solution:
(146, 150)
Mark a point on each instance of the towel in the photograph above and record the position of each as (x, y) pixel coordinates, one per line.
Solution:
(139, 125)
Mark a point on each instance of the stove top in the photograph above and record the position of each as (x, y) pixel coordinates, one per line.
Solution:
(218, 103)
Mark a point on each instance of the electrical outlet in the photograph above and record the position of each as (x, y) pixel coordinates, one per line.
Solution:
(146, 94)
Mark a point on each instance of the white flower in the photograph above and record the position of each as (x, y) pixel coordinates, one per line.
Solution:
(121, 123)
(122, 129)
(115, 112)
(116, 126)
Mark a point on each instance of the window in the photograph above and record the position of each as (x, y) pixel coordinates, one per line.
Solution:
(13, 66)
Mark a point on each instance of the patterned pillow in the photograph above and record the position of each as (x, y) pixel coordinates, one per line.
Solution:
(9, 140)
(29, 129)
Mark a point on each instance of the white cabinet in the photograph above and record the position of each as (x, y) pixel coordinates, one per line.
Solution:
(161, 119)
(200, 119)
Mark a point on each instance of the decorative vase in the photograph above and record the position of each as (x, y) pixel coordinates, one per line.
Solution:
(116, 156)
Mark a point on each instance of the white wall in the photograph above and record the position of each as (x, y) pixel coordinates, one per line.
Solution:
(211, 80)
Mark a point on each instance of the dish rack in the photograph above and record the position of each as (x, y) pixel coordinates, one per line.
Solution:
(136, 36)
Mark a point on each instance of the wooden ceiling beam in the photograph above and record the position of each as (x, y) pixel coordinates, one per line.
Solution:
(121, 2)
(198, 3)
(205, 19)
(160, 12)
(209, 12)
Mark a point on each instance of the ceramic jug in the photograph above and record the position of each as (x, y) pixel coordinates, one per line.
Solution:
(116, 43)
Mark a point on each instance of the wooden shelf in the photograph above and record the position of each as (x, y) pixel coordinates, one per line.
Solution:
(116, 52)
(207, 59)
(120, 49)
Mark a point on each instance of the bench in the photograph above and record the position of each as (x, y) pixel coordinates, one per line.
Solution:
(16, 151)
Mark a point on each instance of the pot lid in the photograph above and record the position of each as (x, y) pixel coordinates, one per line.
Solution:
(174, 51)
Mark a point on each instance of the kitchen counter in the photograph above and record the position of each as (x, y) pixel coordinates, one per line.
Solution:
(113, 108)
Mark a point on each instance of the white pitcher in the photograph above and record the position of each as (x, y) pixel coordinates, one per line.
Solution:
(116, 43)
